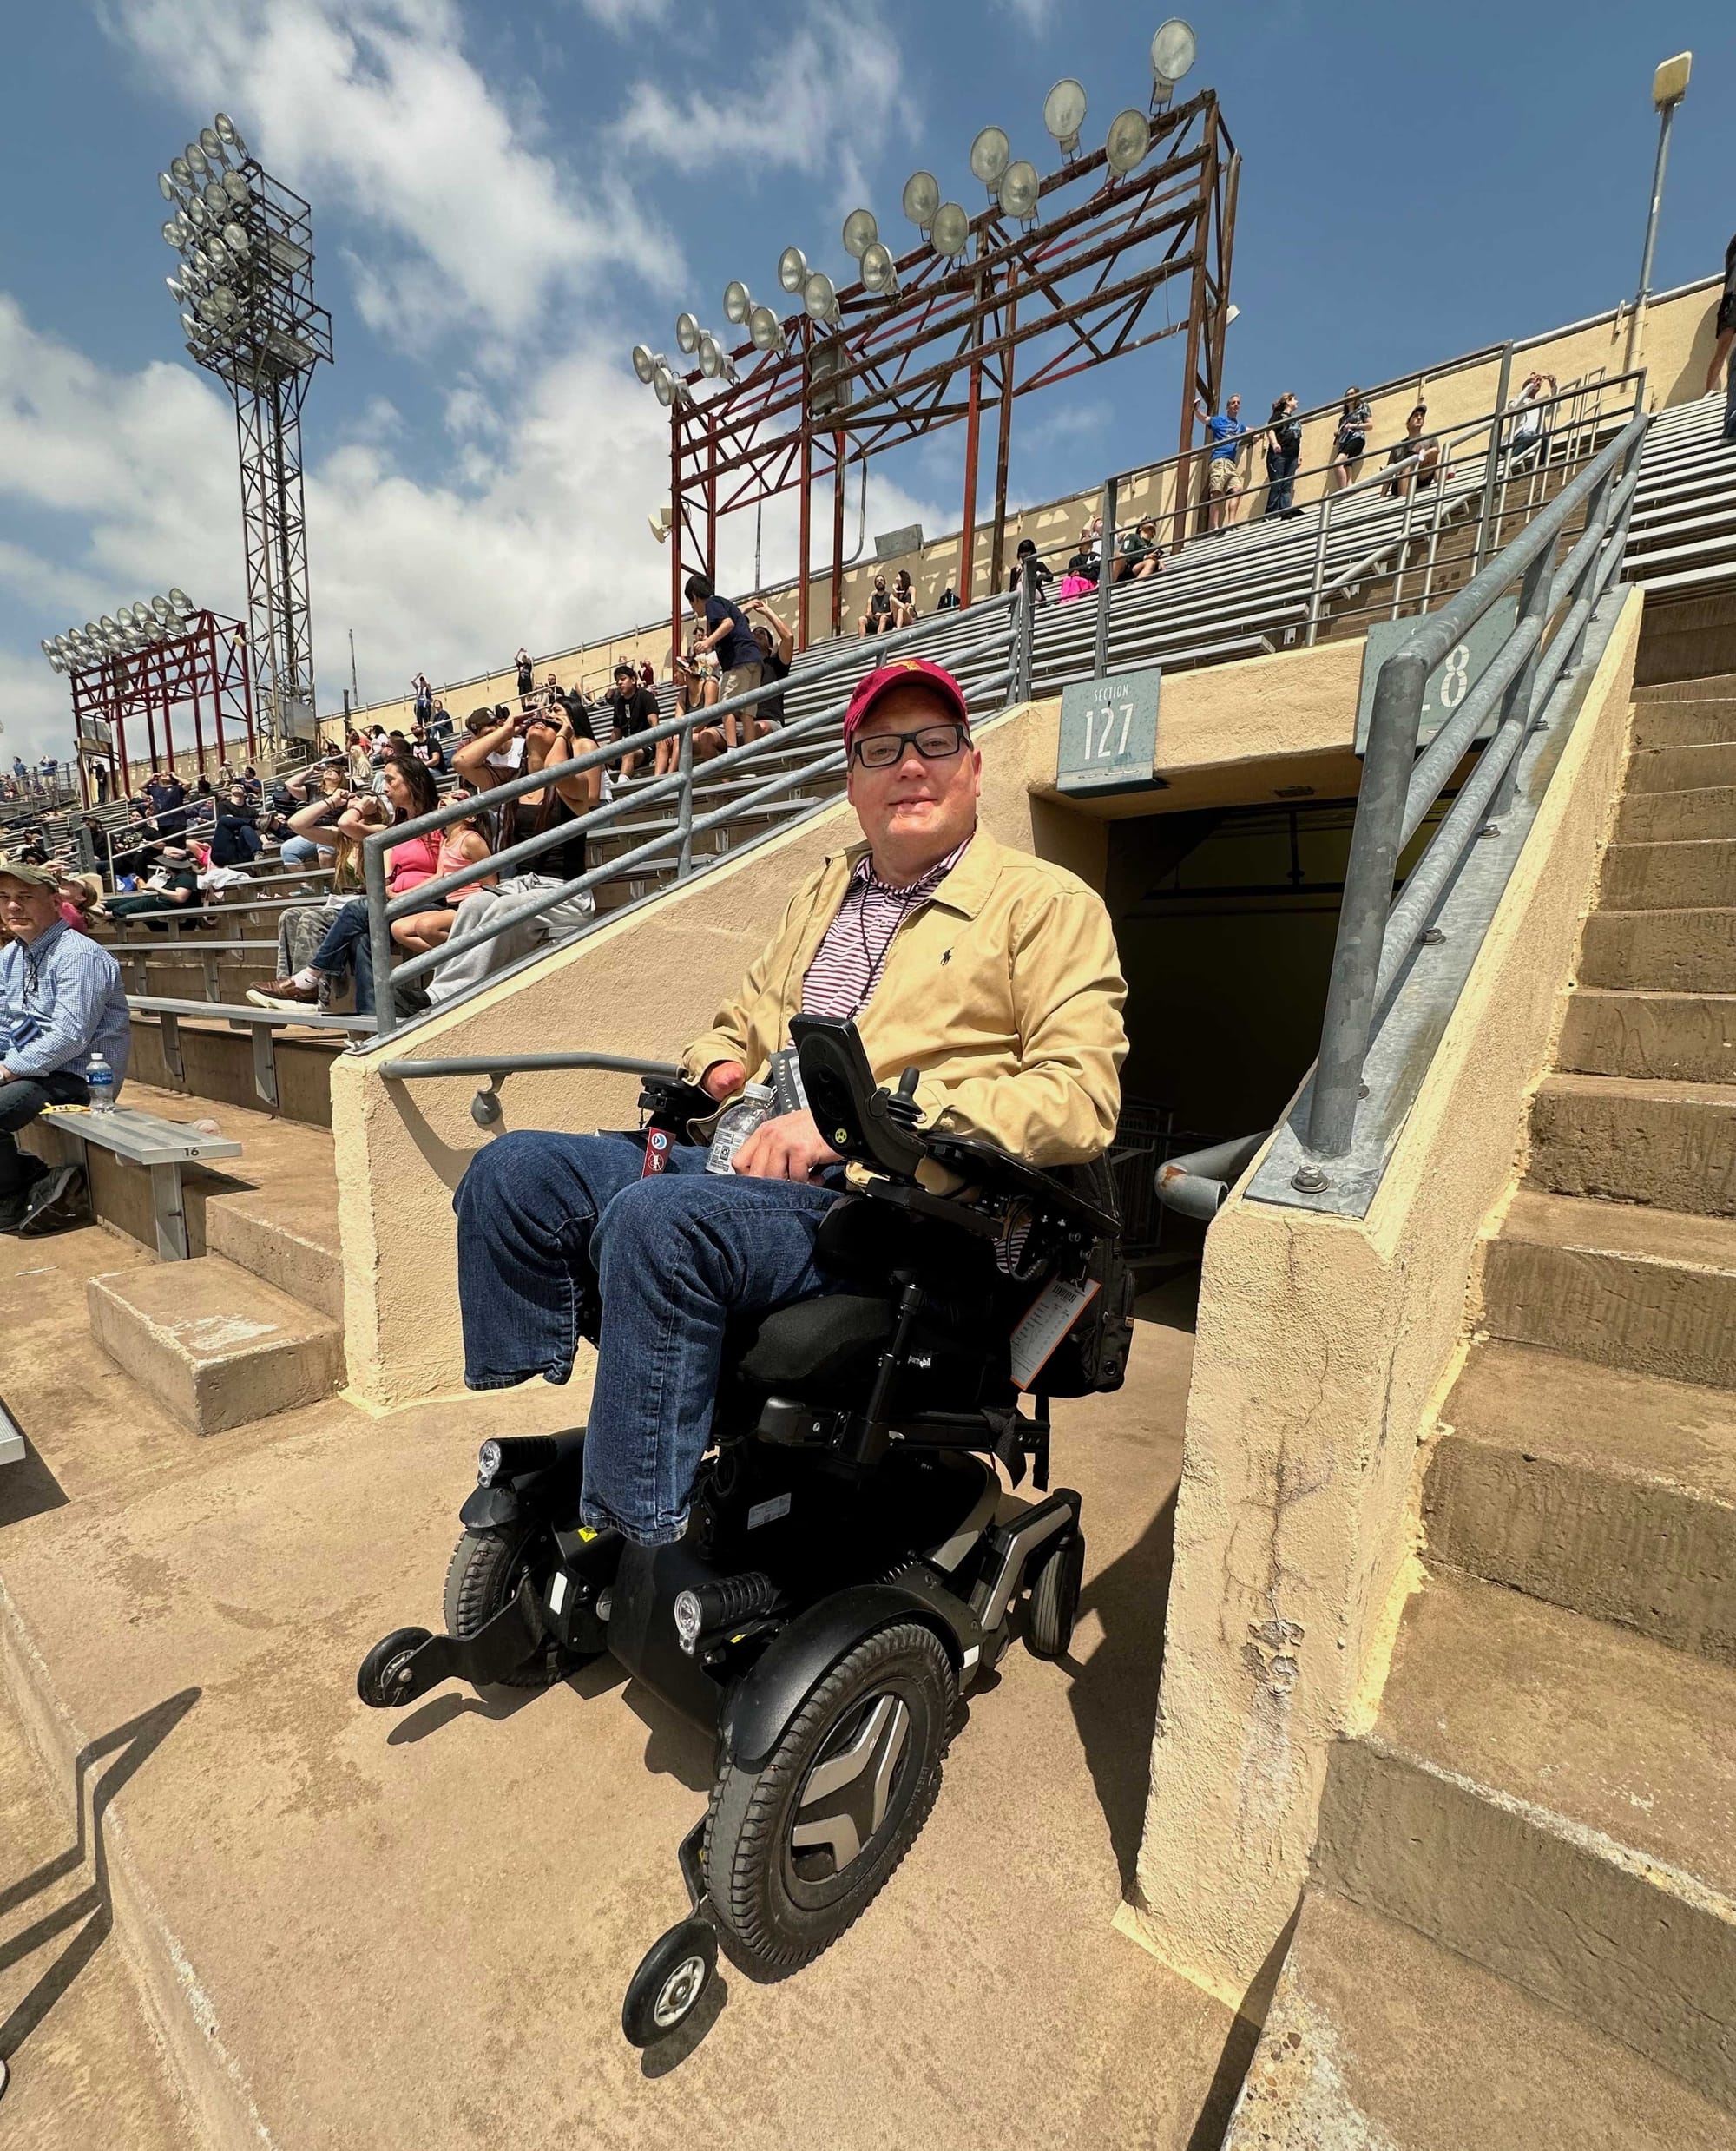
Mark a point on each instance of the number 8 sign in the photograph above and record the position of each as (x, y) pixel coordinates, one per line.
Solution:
(1109, 733)
(1448, 685)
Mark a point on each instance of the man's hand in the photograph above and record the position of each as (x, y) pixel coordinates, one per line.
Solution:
(788, 1148)
(723, 1079)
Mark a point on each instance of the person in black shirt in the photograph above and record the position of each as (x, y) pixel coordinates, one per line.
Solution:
(726, 631)
(877, 620)
(631, 709)
(1283, 453)
(1085, 563)
(235, 840)
(527, 676)
(168, 796)
(1415, 460)
(1027, 565)
(1722, 361)
(777, 641)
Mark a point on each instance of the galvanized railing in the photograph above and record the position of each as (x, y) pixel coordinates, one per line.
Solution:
(999, 629)
(1332, 1154)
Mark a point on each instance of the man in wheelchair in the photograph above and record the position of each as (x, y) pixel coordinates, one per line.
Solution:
(991, 974)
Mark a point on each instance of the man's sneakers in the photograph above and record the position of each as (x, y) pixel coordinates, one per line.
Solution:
(283, 993)
(53, 1199)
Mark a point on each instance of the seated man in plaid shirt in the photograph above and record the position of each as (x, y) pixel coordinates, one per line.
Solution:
(993, 973)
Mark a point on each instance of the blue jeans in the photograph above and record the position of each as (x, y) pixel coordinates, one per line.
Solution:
(543, 1217)
(346, 948)
(299, 851)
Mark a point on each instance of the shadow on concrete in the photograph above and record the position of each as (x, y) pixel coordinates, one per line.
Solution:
(129, 1746)
(28, 1488)
(1241, 2045)
(1113, 1693)
(675, 1747)
(495, 1703)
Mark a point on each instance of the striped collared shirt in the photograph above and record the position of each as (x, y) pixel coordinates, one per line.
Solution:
(849, 961)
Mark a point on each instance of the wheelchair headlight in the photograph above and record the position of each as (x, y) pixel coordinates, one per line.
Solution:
(689, 1619)
(487, 1463)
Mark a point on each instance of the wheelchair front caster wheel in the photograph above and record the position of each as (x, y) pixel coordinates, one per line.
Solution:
(385, 1668)
(1054, 1597)
(665, 1990)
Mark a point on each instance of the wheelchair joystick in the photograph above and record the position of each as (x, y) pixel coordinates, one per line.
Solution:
(901, 1104)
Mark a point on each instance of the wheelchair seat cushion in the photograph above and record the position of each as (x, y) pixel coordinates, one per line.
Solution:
(815, 1343)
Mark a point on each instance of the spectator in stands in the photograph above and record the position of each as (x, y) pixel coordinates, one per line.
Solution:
(440, 722)
(506, 905)
(79, 894)
(410, 793)
(423, 696)
(646, 677)
(1226, 431)
(61, 1001)
(777, 641)
(1032, 1068)
(1415, 460)
(725, 629)
(630, 709)
(1283, 454)
(171, 885)
(947, 600)
(527, 676)
(1527, 432)
(427, 748)
(1722, 361)
(1084, 568)
(99, 841)
(696, 688)
(877, 620)
(1138, 555)
(1027, 566)
(904, 613)
(236, 838)
(1350, 441)
(168, 796)
(318, 795)
(461, 843)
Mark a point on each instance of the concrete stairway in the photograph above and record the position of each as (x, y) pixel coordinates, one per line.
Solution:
(1521, 1927)
(251, 1324)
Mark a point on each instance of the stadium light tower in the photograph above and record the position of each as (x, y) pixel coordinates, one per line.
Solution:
(245, 288)
(1670, 87)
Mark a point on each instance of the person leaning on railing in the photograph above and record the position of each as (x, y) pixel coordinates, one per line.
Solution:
(993, 973)
(543, 741)
(465, 843)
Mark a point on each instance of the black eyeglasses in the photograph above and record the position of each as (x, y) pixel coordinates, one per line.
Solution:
(935, 743)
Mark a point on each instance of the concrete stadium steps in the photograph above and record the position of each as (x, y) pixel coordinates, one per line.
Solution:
(219, 1064)
(1669, 876)
(1603, 1492)
(1381, 2039)
(1652, 1291)
(1689, 1037)
(1688, 951)
(1667, 1142)
(1548, 1796)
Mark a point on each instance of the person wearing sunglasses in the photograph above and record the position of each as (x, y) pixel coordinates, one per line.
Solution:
(992, 972)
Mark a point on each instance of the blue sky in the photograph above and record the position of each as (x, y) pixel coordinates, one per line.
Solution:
(507, 197)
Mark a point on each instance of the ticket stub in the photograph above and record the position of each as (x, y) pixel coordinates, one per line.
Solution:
(1044, 1323)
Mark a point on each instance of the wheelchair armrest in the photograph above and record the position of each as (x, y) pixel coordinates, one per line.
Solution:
(999, 1172)
(671, 1105)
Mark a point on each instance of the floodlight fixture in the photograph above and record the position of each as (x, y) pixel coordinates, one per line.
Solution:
(1019, 187)
(861, 230)
(686, 333)
(989, 155)
(1063, 113)
(921, 198)
(235, 239)
(1129, 138)
(162, 608)
(645, 363)
(197, 162)
(765, 329)
(178, 597)
(662, 521)
(793, 270)
(879, 271)
(230, 134)
(236, 187)
(819, 297)
(951, 230)
(1173, 47)
(714, 359)
(215, 198)
(170, 192)
(738, 303)
(212, 144)
(109, 627)
(182, 172)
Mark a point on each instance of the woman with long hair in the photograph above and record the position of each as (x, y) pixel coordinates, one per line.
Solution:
(409, 792)
(465, 843)
(1350, 442)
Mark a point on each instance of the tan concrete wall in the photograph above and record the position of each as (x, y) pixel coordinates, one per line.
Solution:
(1678, 336)
(1321, 1345)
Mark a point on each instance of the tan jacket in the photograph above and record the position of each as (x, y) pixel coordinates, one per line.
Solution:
(1004, 989)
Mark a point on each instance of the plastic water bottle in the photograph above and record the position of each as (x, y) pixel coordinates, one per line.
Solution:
(736, 1126)
(101, 1078)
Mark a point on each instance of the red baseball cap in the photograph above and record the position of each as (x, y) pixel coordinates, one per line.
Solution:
(904, 672)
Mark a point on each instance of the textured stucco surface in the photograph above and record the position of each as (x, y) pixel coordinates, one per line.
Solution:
(1323, 1346)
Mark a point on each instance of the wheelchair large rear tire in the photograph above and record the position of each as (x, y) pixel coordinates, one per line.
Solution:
(1054, 1597)
(484, 1576)
(798, 1849)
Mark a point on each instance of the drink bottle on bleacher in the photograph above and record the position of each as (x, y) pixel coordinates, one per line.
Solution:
(101, 1078)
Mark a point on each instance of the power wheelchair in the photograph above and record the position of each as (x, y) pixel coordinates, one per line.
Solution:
(855, 1562)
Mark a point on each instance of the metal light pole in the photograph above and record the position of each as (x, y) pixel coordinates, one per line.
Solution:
(1670, 87)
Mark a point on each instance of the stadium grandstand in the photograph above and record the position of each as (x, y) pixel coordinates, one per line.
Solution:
(1385, 1793)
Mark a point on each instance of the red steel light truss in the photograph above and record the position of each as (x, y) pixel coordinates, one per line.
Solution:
(943, 349)
(205, 668)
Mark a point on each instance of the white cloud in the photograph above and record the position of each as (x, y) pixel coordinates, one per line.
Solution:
(624, 16)
(1036, 15)
(376, 100)
(821, 101)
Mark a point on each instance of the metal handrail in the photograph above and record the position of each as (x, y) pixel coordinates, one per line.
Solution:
(1522, 681)
(382, 909)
